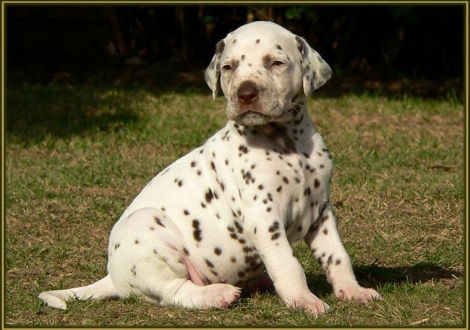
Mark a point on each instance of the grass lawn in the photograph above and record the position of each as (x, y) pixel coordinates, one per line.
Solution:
(77, 155)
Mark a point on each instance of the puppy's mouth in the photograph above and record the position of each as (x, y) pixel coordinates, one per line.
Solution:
(255, 118)
(252, 114)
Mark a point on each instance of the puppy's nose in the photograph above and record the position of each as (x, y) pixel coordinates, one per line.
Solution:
(248, 92)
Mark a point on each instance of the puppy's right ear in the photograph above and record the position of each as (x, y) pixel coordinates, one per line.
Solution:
(212, 73)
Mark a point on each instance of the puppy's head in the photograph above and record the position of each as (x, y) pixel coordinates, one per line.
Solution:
(265, 72)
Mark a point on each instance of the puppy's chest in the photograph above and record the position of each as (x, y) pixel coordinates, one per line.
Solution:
(262, 193)
(280, 177)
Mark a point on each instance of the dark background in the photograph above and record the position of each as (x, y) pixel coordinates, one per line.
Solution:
(416, 49)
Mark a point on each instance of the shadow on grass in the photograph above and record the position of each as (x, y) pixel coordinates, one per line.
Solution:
(50, 101)
(381, 277)
(377, 276)
(36, 112)
(41, 102)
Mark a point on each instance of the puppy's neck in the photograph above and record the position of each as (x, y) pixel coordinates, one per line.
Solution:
(284, 136)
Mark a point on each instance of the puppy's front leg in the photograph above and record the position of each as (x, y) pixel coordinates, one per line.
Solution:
(325, 243)
(288, 276)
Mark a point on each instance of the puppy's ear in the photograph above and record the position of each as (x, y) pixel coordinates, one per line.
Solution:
(315, 70)
(212, 73)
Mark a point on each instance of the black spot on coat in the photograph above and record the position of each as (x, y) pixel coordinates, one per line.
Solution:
(209, 196)
(197, 233)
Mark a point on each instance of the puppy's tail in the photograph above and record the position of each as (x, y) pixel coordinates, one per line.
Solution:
(101, 290)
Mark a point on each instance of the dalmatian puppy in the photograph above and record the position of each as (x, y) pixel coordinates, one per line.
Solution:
(213, 221)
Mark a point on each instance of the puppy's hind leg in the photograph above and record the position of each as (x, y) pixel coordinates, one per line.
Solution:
(150, 262)
(103, 289)
(175, 286)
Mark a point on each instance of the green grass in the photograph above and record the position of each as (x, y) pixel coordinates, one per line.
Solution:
(76, 156)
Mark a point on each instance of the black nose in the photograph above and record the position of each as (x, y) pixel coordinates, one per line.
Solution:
(248, 92)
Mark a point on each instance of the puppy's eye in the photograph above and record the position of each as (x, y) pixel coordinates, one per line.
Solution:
(226, 67)
(277, 63)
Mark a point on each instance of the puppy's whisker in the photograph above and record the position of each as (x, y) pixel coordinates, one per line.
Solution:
(217, 112)
(301, 105)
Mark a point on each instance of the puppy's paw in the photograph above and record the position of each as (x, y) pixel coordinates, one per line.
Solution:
(52, 300)
(311, 304)
(356, 292)
(222, 295)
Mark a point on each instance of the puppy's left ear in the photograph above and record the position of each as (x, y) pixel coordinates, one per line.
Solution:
(315, 70)
(212, 73)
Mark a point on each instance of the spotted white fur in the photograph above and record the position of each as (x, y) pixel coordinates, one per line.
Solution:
(214, 220)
